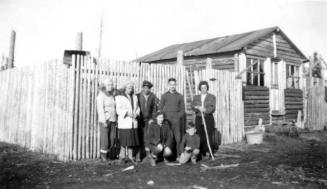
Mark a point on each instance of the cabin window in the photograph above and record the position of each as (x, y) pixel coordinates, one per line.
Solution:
(255, 73)
(292, 76)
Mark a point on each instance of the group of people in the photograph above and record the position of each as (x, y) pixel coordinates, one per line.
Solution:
(153, 130)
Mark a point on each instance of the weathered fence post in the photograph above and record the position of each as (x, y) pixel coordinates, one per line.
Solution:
(180, 58)
(100, 36)
(12, 49)
(236, 63)
(79, 41)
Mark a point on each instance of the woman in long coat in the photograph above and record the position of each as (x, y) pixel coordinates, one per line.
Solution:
(128, 111)
(206, 103)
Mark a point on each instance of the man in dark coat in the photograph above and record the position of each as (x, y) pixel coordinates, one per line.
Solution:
(172, 105)
(160, 139)
(148, 105)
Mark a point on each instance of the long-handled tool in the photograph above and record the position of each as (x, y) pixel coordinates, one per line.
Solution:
(205, 130)
(203, 120)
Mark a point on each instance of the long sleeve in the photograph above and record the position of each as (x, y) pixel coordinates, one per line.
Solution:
(193, 104)
(152, 136)
(212, 106)
(100, 109)
(197, 142)
(182, 145)
(147, 136)
(137, 108)
(154, 107)
(162, 103)
(170, 138)
(121, 110)
(181, 111)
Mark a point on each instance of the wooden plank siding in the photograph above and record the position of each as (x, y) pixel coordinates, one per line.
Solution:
(219, 62)
(264, 48)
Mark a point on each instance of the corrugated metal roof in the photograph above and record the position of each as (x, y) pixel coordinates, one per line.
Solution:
(209, 46)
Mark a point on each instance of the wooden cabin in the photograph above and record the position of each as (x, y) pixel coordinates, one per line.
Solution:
(267, 61)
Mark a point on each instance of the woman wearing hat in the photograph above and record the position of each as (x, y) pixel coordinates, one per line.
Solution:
(106, 108)
(128, 111)
(205, 103)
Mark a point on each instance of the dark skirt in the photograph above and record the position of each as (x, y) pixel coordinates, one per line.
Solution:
(210, 122)
(129, 137)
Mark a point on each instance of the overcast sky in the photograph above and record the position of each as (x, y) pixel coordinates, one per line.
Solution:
(133, 28)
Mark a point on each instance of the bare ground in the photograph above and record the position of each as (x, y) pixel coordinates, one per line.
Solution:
(280, 162)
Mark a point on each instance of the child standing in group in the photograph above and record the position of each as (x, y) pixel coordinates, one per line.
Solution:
(190, 145)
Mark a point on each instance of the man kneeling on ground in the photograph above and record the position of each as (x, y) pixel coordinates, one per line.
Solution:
(160, 139)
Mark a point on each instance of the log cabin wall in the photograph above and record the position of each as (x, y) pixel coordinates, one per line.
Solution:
(288, 100)
(270, 45)
(293, 103)
(256, 105)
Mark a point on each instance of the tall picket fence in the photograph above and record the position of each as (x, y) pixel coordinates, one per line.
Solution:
(36, 107)
(229, 114)
(91, 72)
(4, 63)
(51, 107)
(316, 108)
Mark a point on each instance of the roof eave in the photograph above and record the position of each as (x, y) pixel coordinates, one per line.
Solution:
(191, 56)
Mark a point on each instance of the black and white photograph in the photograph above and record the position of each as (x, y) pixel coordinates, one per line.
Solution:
(163, 94)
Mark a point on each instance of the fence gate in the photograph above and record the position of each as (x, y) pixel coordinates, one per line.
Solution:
(229, 114)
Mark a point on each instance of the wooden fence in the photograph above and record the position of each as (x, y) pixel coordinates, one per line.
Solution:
(85, 130)
(36, 107)
(4, 63)
(50, 107)
(316, 108)
(229, 114)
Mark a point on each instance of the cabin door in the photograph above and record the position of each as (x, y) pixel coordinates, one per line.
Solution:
(278, 85)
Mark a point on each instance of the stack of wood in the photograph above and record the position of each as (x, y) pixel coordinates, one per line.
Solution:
(256, 105)
(293, 103)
